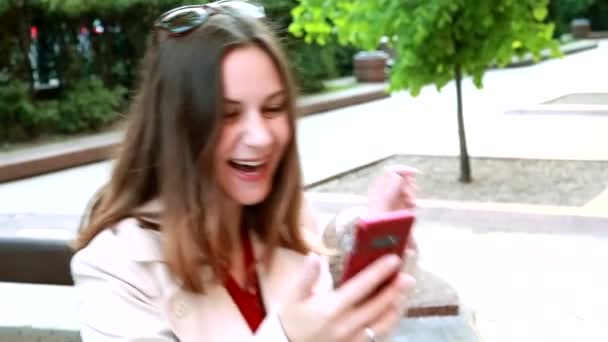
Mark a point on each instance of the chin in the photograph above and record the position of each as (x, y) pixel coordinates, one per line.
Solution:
(252, 197)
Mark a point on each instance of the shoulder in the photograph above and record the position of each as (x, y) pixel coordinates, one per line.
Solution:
(125, 252)
(127, 240)
(122, 285)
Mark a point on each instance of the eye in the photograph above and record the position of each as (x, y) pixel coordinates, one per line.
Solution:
(231, 113)
(274, 109)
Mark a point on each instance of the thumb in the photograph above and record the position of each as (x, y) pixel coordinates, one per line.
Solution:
(310, 272)
(403, 170)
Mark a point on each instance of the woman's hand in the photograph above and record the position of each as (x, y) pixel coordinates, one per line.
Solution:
(345, 313)
(393, 190)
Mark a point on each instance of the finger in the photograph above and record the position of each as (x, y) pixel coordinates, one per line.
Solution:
(310, 273)
(408, 192)
(412, 243)
(365, 282)
(368, 312)
(405, 284)
(404, 170)
(382, 327)
(395, 180)
(408, 199)
(395, 187)
(409, 184)
(404, 200)
(384, 318)
(383, 194)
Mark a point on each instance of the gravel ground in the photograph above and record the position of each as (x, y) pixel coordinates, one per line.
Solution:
(549, 182)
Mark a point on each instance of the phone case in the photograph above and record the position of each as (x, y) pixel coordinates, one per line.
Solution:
(377, 236)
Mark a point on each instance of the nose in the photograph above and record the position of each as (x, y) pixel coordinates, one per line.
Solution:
(256, 130)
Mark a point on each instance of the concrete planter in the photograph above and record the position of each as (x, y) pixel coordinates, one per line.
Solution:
(581, 28)
(370, 66)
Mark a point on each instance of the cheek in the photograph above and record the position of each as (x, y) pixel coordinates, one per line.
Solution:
(223, 144)
(222, 152)
(283, 132)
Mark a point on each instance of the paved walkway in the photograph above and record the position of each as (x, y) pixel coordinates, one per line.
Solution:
(522, 286)
(598, 205)
(342, 139)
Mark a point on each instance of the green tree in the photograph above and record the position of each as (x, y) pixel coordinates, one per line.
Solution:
(310, 65)
(436, 40)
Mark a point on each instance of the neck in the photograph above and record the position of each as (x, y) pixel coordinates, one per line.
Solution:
(232, 213)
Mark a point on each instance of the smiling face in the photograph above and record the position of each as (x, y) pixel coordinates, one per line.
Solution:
(255, 128)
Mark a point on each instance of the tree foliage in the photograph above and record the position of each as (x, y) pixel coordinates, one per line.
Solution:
(431, 37)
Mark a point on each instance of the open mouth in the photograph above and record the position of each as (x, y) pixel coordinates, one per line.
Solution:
(247, 166)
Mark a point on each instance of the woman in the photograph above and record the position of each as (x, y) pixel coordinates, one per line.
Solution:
(201, 234)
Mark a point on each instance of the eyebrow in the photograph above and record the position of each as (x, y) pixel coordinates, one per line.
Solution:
(272, 96)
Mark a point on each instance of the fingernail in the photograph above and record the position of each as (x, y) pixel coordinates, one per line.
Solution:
(393, 260)
(407, 280)
(405, 170)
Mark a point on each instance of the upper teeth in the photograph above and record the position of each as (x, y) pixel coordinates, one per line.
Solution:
(249, 163)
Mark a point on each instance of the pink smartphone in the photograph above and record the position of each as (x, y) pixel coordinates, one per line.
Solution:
(376, 236)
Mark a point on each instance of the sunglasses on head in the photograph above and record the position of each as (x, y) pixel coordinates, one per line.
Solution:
(184, 19)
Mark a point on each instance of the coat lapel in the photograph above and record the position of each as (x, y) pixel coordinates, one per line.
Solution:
(216, 316)
(213, 315)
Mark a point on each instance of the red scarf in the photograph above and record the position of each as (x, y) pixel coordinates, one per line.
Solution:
(249, 299)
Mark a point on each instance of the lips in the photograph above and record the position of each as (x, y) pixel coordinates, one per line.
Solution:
(246, 166)
(249, 170)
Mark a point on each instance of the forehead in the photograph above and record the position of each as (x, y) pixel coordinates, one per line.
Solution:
(248, 72)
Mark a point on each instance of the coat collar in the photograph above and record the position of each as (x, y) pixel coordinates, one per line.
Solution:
(216, 316)
(192, 315)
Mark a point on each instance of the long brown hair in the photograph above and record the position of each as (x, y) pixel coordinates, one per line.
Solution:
(168, 149)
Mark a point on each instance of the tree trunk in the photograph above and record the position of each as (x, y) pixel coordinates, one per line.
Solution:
(465, 166)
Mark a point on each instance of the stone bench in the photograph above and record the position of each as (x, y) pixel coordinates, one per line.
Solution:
(34, 260)
(34, 251)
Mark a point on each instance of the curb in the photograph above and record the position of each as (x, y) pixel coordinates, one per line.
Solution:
(57, 156)
(365, 92)
(502, 217)
(556, 109)
(30, 162)
(572, 48)
(317, 182)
